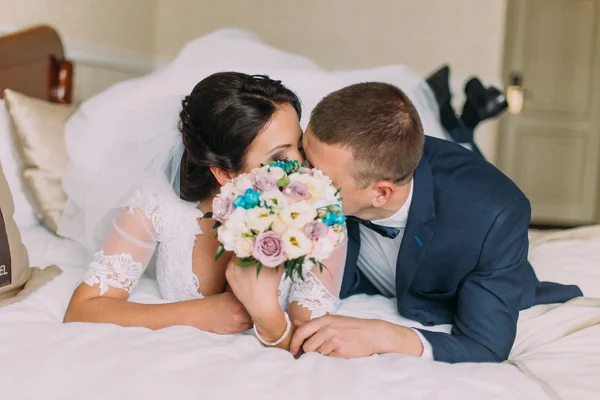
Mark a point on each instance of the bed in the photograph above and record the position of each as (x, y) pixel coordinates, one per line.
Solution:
(556, 355)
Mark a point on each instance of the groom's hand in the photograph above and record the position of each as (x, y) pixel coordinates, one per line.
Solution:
(348, 337)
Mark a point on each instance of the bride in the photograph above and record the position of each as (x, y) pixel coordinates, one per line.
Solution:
(145, 206)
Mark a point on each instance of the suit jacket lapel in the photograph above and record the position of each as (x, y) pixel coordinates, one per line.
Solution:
(416, 234)
(349, 281)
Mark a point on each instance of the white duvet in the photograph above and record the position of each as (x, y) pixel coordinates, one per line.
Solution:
(41, 358)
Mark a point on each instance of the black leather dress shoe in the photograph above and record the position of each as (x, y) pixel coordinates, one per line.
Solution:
(481, 103)
(439, 82)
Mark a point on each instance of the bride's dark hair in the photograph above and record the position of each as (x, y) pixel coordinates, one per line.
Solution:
(219, 120)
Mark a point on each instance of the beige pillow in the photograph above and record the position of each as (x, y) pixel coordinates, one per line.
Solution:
(16, 278)
(39, 130)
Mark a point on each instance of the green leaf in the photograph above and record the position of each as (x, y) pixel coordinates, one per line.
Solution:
(246, 262)
(258, 268)
(333, 209)
(322, 266)
(216, 226)
(283, 181)
(286, 268)
(220, 251)
(207, 215)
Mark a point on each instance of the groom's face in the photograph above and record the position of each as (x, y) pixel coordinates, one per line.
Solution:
(336, 163)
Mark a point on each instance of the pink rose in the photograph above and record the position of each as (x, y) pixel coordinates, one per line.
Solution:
(222, 208)
(263, 181)
(315, 230)
(268, 249)
(296, 191)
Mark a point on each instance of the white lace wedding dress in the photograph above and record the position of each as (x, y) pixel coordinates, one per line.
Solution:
(158, 221)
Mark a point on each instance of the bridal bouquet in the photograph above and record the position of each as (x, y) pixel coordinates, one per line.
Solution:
(282, 213)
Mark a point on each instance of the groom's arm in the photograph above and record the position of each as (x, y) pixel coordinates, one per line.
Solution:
(488, 300)
(485, 323)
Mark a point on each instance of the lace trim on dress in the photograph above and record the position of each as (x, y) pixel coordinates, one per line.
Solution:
(313, 295)
(119, 271)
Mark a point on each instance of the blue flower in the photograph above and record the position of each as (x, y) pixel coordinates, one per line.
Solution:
(252, 198)
(330, 219)
(240, 202)
(249, 200)
(288, 167)
(278, 164)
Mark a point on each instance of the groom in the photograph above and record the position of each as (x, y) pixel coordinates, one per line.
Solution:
(436, 226)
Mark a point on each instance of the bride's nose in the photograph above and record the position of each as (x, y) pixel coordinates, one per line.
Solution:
(300, 156)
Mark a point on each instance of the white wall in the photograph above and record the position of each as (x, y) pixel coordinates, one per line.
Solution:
(338, 34)
(467, 34)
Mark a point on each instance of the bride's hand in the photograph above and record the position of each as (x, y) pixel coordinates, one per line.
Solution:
(260, 296)
(221, 313)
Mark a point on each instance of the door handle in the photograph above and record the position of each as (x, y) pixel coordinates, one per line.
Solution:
(515, 94)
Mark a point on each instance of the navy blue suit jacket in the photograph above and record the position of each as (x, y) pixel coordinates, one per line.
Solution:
(463, 257)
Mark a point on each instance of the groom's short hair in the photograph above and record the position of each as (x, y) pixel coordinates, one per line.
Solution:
(379, 124)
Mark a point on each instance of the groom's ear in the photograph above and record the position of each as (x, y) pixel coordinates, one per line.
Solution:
(222, 176)
(383, 190)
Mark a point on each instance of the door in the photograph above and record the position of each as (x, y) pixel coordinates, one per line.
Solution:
(552, 148)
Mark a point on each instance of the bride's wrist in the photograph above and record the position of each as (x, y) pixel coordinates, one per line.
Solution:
(272, 326)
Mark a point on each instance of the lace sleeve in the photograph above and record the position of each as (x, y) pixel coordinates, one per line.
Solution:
(319, 291)
(125, 252)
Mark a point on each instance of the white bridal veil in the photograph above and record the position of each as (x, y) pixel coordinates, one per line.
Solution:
(128, 136)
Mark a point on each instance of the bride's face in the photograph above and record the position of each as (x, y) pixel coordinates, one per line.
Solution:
(279, 140)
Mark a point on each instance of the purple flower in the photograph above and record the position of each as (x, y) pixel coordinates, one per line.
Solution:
(222, 208)
(315, 230)
(296, 191)
(263, 181)
(268, 249)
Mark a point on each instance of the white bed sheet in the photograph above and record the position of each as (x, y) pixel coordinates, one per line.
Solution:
(42, 358)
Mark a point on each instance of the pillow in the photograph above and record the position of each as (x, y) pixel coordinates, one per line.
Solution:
(16, 278)
(24, 213)
(39, 131)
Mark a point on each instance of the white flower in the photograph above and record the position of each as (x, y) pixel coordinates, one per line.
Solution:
(322, 249)
(278, 225)
(243, 247)
(277, 172)
(317, 187)
(296, 244)
(256, 170)
(233, 228)
(274, 199)
(242, 183)
(259, 219)
(228, 238)
(298, 214)
(237, 219)
(230, 190)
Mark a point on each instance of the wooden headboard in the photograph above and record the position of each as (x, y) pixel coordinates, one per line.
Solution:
(32, 62)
